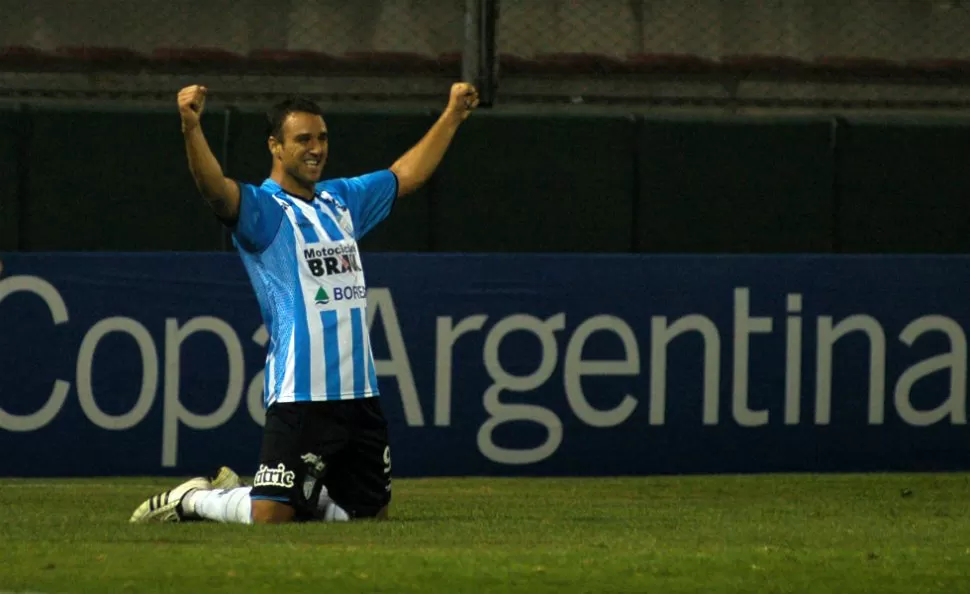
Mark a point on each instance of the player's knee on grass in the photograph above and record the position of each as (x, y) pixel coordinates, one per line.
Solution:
(266, 511)
(368, 512)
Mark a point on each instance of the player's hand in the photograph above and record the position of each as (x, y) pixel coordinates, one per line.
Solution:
(191, 102)
(464, 98)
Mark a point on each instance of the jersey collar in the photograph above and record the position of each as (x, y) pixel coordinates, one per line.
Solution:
(272, 187)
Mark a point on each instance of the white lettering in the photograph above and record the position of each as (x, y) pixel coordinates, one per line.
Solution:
(174, 411)
(827, 337)
(590, 407)
(955, 406)
(379, 301)
(745, 325)
(58, 396)
(661, 336)
(149, 375)
(255, 394)
(575, 367)
(274, 477)
(501, 413)
(446, 336)
(793, 361)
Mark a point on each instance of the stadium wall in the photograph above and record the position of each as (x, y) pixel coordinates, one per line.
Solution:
(123, 364)
(117, 181)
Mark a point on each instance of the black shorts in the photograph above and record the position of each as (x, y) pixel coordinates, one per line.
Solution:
(341, 445)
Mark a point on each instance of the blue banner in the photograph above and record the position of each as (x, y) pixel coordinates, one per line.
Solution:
(118, 364)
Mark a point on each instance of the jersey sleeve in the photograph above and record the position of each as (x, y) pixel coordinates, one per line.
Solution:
(369, 198)
(260, 217)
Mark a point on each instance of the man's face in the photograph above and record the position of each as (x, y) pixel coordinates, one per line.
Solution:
(304, 147)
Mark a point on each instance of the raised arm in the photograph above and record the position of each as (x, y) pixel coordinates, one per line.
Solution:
(415, 167)
(220, 192)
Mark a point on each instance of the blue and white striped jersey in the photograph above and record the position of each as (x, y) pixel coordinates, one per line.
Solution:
(302, 261)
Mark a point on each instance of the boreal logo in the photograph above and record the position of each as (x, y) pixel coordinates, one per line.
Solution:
(348, 293)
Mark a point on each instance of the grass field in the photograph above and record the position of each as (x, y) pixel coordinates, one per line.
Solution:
(859, 533)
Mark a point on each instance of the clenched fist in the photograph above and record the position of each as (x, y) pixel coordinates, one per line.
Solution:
(191, 102)
(464, 98)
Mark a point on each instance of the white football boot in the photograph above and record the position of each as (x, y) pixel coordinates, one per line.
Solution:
(166, 506)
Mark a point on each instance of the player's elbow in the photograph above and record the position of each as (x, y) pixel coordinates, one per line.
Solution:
(407, 180)
(222, 196)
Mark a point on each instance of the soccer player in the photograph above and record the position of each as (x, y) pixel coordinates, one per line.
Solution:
(325, 452)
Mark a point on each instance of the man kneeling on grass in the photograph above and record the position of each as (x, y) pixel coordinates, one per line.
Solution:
(325, 452)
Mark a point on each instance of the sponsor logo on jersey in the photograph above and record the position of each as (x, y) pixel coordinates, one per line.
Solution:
(331, 261)
(314, 462)
(347, 293)
(274, 477)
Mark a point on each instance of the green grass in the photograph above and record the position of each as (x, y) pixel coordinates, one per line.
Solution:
(857, 533)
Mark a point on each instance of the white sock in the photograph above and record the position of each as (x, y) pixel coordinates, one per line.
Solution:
(235, 506)
(328, 510)
(335, 513)
(230, 506)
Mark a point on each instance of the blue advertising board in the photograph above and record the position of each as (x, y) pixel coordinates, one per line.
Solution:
(123, 364)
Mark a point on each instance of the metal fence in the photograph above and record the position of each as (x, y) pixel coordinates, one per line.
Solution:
(901, 51)
(238, 26)
(802, 29)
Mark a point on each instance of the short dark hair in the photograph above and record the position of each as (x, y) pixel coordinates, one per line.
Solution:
(278, 112)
